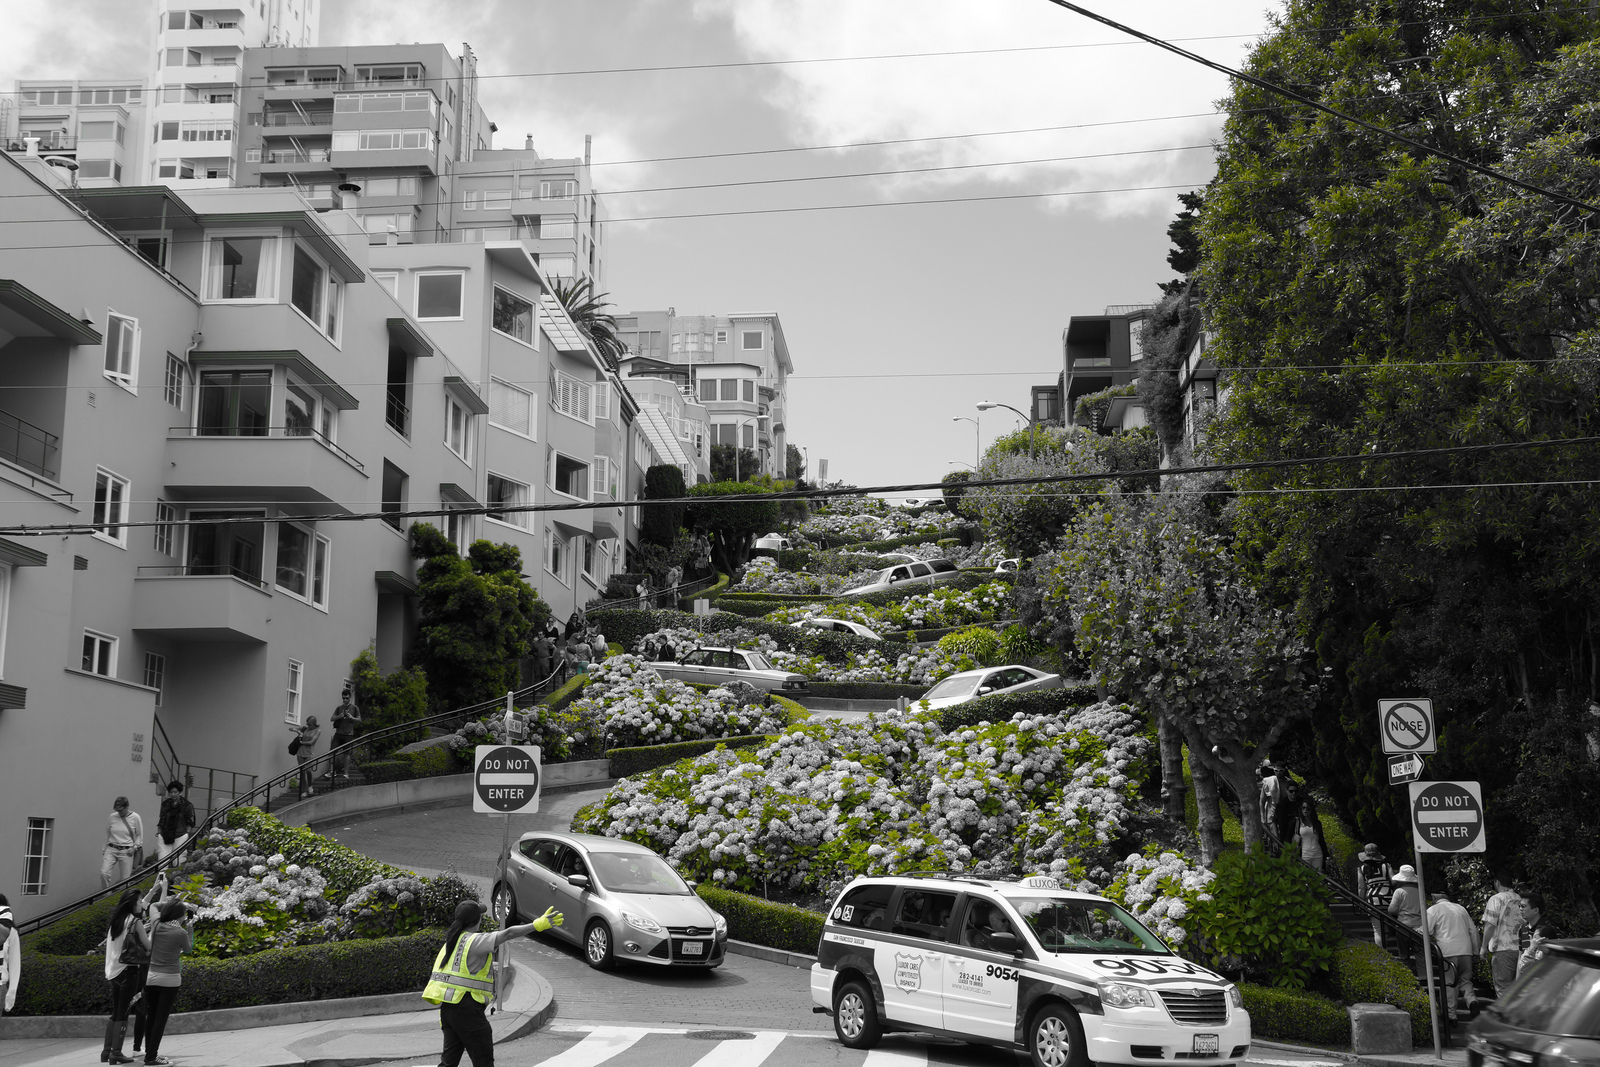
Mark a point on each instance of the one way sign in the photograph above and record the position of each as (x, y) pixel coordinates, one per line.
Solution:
(1403, 769)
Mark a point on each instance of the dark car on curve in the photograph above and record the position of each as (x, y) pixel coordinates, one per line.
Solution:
(1550, 1016)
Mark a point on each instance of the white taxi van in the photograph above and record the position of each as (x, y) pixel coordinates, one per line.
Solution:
(1066, 977)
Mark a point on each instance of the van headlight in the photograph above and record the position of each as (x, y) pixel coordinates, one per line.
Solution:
(641, 922)
(1123, 995)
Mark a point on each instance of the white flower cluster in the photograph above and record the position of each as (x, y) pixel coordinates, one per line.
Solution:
(761, 575)
(634, 705)
(923, 666)
(830, 800)
(287, 888)
(1160, 891)
(935, 609)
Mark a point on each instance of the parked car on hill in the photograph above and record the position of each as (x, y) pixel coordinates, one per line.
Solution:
(905, 575)
(843, 626)
(774, 542)
(1008, 566)
(970, 685)
(719, 666)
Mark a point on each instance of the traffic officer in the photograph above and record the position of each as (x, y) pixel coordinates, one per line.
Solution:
(462, 983)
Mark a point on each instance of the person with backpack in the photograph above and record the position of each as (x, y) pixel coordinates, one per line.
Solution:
(1375, 883)
(1502, 926)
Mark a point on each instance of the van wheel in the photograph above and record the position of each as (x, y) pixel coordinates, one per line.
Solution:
(1055, 1038)
(855, 1018)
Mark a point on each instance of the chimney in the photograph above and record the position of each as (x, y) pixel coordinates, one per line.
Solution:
(588, 139)
(33, 145)
(349, 192)
(527, 144)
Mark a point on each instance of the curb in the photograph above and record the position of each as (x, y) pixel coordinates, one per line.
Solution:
(771, 955)
(1280, 1046)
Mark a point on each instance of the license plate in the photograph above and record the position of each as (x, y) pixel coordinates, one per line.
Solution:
(1207, 1045)
(698, 948)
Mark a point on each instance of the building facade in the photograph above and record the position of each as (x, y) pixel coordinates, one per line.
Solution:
(1102, 352)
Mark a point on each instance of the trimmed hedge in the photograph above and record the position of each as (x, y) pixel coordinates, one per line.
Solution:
(963, 580)
(792, 712)
(783, 598)
(866, 690)
(345, 869)
(628, 626)
(625, 762)
(75, 984)
(559, 698)
(1363, 973)
(1002, 706)
(710, 592)
(938, 632)
(389, 770)
(762, 922)
(1296, 1014)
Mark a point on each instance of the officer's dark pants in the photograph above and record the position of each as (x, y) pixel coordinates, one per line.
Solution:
(466, 1029)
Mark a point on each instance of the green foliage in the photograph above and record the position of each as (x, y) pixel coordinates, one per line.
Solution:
(1296, 1015)
(1092, 407)
(953, 489)
(587, 309)
(627, 627)
(383, 908)
(1268, 918)
(433, 761)
(393, 770)
(622, 762)
(557, 699)
(1168, 330)
(1025, 519)
(1363, 973)
(980, 643)
(725, 469)
(762, 922)
(794, 465)
(1018, 645)
(477, 618)
(734, 523)
(659, 524)
(1001, 707)
(387, 700)
(1184, 255)
(345, 869)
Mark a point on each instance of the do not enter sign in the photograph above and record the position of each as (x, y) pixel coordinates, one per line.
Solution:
(1447, 816)
(505, 779)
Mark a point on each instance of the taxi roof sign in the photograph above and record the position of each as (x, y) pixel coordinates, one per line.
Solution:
(1039, 881)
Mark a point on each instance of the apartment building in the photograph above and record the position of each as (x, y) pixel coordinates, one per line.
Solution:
(1099, 352)
(99, 125)
(738, 366)
(677, 426)
(240, 382)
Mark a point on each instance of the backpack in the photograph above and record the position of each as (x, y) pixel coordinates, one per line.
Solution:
(1375, 874)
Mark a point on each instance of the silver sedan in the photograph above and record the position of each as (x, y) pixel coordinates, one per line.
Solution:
(620, 901)
(719, 666)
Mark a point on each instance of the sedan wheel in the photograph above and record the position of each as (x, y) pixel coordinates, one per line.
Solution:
(505, 905)
(597, 946)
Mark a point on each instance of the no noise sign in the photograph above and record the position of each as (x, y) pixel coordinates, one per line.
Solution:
(1447, 816)
(505, 779)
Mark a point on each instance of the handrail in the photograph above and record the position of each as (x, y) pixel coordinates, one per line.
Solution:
(263, 792)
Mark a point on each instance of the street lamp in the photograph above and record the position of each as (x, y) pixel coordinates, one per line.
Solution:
(989, 404)
(977, 434)
(737, 425)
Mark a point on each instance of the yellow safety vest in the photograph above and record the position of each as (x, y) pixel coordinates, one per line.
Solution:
(447, 985)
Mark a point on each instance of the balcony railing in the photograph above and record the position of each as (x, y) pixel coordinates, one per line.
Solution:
(291, 118)
(268, 431)
(29, 446)
(55, 142)
(325, 88)
(206, 570)
(397, 415)
(288, 155)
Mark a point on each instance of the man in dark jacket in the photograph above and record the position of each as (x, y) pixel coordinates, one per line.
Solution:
(176, 821)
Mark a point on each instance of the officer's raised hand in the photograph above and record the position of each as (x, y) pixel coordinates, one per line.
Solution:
(551, 917)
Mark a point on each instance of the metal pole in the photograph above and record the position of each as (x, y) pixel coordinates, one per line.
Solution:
(1427, 959)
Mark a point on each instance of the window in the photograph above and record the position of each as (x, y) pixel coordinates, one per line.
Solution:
(206, 130)
(235, 403)
(371, 186)
(177, 384)
(302, 563)
(308, 287)
(602, 401)
(556, 558)
(227, 548)
(95, 168)
(749, 431)
(241, 268)
(497, 199)
(297, 682)
(388, 279)
(469, 199)
(5, 611)
(865, 906)
(513, 315)
(749, 389)
(439, 296)
(571, 396)
(394, 493)
(166, 515)
(558, 227)
(510, 408)
(708, 389)
(457, 428)
(924, 914)
(36, 864)
(122, 349)
(556, 266)
(569, 476)
(505, 492)
(730, 388)
(387, 222)
(554, 190)
(1136, 340)
(722, 337)
(588, 558)
(99, 654)
(110, 507)
(155, 674)
(603, 489)
(750, 340)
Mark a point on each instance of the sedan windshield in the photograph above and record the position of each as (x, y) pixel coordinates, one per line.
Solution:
(1559, 994)
(637, 872)
(1086, 926)
(757, 661)
(953, 687)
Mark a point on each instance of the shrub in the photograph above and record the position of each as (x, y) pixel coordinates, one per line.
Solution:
(1268, 918)
(978, 642)
(623, 762)
(632, 705)
(1363, 973)
(783, 598)
(1296, 1014)
(391, 699)
(345, 869)
(557, 699)
(762, 922)
(866, 690)
(1000, 707)
(394, 770)
(433, 761)
(1160, 890)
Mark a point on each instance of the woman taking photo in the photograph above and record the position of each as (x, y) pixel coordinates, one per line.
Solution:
(171, 938)
(127, 953)
(303, 746)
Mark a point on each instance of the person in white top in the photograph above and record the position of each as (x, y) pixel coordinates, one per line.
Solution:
(10, 957)
(124, 849)
(1456, 935)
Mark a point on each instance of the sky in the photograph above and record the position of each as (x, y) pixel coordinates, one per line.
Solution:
(1036, 166)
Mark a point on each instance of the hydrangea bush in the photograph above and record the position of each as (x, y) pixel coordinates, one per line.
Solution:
(634, 705)
(761, 575)
(829, 800)
(916, 666)
(249, 902)
(1161, 890)
(935, 609)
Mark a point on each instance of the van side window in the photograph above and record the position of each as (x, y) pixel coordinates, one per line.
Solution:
(865, 906)
(924, 913)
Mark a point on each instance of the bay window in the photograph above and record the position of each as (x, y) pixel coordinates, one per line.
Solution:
(513, 315)
(241, 268)
(236, 403)
(501, 491)
(232, 548)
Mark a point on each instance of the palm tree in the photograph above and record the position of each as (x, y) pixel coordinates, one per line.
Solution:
(587, 310)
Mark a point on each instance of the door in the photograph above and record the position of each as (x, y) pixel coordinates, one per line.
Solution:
(981, 982)
(911, 970)
(528, 872)
(572, 901)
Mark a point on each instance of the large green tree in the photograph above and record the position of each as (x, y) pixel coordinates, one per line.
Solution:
(660, 524)
(1371, 297)
(734, 523)
(731, 464)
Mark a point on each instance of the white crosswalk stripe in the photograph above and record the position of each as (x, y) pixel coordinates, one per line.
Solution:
(600, 1044)
(895, 1057)
(750, 1053)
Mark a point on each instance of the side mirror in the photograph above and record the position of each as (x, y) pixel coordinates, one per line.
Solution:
(579, 880)
(1005, 942)
(691, 884)
(982, 689)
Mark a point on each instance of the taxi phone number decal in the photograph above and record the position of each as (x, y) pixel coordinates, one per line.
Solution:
(1132, 968)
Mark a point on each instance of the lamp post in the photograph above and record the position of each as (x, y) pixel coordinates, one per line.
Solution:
(741, 423)
(989, 404)
(977, 434)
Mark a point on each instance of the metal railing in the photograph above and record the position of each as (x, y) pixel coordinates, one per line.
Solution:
(28, 445)
(291, 118)
(275, 432)
(397, 414)
(204, 783)
(204, 570)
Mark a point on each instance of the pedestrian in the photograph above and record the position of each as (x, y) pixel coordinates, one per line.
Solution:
(1456, 936)
(10, 957)
(597, 642)
(577, 655)
(150, 916)
(1406, 906)
(127, 956)
(175, 822)
(1502, 925)
(124, 851)
(1374, 882)
(574, 623)
(346, 717)
(543, 656)
(304, 746)
(1308, 836)
(643, 591)
(1534, 932)
(462, 982)
(172, 937)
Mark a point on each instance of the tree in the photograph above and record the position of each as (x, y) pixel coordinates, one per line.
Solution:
(953, 488)
(734, 524)
(586, 308)
(1370, 298)
(659, 524)
(723, 465)
(1184, 255)
(794, 467)
(476, 618)
(1166, 619)
(387, 700)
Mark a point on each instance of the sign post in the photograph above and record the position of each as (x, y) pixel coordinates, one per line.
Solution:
(1445, 817)
(1406, 724)
(505, 782)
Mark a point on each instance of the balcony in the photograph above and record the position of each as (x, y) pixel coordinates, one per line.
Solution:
(29, 447)
(291, 119)
(201, 604)
(287, 465)
(296, 155)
